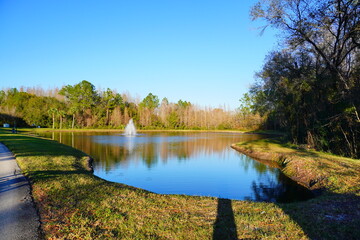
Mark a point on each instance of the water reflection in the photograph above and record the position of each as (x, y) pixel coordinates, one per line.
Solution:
(184, 163)
(284, 190)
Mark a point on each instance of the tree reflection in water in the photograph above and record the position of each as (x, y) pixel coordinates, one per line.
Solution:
(282, 191)
(184, 163)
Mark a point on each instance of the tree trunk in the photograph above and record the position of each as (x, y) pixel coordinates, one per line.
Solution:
(73, 121)
(53, 118)
(107, 117)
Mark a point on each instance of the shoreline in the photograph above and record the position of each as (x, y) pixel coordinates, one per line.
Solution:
(73, 203)
(260, 132)
(281, 160)
(138, 130)
(305, 167)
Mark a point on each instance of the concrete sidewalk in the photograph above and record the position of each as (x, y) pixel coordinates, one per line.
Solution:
(18, 217)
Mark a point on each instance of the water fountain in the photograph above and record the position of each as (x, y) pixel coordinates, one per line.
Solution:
(130, 129)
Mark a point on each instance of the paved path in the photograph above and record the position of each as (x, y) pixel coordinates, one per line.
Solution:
(18, 217)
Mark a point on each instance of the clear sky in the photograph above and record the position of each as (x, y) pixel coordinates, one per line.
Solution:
(202, 51)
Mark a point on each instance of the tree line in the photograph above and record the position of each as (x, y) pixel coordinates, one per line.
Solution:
(310, 87)
(82, 106)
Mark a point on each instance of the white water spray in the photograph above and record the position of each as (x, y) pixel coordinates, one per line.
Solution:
(130, 129)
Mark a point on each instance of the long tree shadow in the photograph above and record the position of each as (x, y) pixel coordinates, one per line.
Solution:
(332, 216)
(328, 216)
(11, 182)
(325, 216)
(225, 226)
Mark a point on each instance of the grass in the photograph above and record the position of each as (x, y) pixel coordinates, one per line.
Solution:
(315, 170)
(75, 204)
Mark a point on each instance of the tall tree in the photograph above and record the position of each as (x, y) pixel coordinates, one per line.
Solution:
(312, 86)
(183, 112)
(329, 29)
(61, 114)
(2, 96)
(165, 109)
(150, 101)
(147, 107)
(81, 96)
(110, 100)
(52, 112)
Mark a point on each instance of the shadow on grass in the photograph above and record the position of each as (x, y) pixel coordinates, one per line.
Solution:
(27, 146)
(334, 216)
(225, 226)
(325, 216)
(49, 174)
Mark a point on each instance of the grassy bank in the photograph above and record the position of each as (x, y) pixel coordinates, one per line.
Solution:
(313, 169)
(74, 204)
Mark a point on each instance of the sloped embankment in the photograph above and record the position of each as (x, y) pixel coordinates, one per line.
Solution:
(312, 169)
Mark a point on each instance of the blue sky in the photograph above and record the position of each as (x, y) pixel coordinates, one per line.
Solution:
(202, 51)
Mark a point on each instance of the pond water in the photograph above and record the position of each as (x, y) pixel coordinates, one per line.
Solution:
(191, 163)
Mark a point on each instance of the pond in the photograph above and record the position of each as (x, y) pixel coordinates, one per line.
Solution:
(191, 163)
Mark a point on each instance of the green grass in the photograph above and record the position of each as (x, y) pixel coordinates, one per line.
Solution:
(315, 170)
(74, 204)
